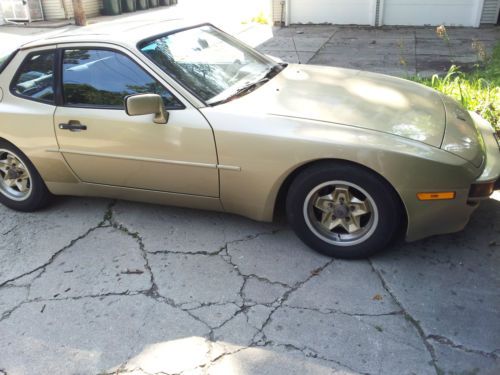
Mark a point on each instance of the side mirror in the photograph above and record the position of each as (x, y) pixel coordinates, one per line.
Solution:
(146, 104)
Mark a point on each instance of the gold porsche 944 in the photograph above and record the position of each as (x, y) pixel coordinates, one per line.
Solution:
(189, 116)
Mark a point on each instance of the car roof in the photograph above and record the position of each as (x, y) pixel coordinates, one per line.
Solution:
(125, 33)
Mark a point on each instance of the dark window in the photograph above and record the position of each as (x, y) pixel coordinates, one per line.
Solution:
(35, 77)
(103, 78)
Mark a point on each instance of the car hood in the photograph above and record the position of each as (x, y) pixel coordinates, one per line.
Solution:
(356, 98)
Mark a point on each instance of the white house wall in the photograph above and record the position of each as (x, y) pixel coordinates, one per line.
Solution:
(342, 12)
(431, 12)
(388, 12)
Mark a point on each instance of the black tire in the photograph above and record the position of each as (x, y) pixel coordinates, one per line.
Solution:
(38, 197)
(385, 206)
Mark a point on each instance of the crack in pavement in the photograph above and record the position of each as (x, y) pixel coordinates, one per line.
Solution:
(222, 355)
(323, 45)
(153, 290)
(328, 311)
(281, 300)
(446, 341)
(135, 369)
(409, 318)
(311, 353)
(53, 257)
(282, 303)
(221, 249)
(101, 224)
(42, 268)
(7, 313)
(245, 307)
(127, 293)
(9, 230)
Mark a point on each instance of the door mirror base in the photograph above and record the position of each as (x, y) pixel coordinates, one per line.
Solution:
(145, 104)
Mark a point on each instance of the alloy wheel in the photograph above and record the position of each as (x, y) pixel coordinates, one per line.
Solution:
(340, 213)
(15, 178)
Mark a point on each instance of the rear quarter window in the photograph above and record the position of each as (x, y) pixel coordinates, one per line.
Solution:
(34, 79)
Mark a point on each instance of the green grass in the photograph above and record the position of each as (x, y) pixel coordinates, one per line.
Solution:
(478, 90)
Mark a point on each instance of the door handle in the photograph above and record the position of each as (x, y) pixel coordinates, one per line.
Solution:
(73, 126)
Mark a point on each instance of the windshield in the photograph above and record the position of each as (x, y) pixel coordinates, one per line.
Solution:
(210, 64)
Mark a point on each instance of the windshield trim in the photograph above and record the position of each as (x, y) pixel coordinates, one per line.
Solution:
(149, 39)
(8, 60)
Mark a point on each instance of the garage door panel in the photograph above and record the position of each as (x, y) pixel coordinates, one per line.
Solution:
(345, 12)
(429, 12)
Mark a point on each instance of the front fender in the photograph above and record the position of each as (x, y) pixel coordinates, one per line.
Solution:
(269, 148)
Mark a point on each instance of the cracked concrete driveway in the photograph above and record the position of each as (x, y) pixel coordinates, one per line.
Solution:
(92, 286)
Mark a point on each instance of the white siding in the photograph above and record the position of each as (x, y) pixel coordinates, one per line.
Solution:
(490, 11)
(1, 15)
(346, 12)
(430, 12)
(54, 9)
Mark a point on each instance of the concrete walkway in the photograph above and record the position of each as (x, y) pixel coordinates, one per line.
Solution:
(400, 51)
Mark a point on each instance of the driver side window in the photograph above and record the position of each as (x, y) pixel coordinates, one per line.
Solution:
(103, 78)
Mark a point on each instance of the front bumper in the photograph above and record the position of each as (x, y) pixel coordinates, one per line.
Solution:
(454, 214)
(491, 171)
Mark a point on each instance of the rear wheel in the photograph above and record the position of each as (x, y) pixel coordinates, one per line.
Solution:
(342, 210)
(21, 187)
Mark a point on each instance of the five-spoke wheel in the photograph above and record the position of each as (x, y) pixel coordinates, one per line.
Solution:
(340, 212)
(15, 179)
(21, 187)
(343, 210)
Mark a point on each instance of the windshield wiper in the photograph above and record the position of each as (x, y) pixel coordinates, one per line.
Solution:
(271, 72)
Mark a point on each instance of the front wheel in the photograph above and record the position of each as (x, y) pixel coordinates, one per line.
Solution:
(342, 210)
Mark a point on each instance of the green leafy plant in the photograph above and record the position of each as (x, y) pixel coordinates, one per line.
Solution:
(478, 90)
(260, 18)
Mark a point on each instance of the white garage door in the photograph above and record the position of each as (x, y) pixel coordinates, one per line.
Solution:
(346, 12)
(431, 12)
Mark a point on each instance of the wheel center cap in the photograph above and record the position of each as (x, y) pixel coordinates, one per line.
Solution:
(340, 211)
(12, 174)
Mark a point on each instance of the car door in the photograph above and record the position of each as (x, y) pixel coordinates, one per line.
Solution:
(103, 145)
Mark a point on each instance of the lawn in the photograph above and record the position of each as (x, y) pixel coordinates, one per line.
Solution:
(477, 90)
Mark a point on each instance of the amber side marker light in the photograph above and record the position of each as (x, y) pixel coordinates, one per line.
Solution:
(442, 195)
